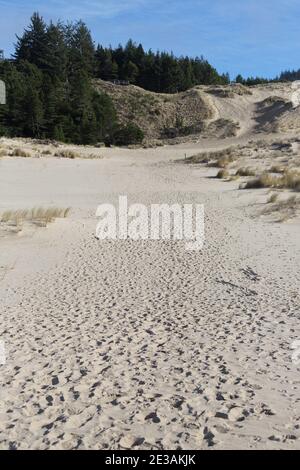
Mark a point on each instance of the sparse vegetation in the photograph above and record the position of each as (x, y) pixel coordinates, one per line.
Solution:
(277, 169)
(20, 153)
(38, 215)
(245, 172)
(287, 208)
(223, 174)
(218, 158)
(273, 198)
(289, 180)
(67, 154)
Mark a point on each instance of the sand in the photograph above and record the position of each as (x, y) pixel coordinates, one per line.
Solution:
(142, 344)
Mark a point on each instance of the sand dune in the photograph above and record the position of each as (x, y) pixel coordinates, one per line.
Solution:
(206, 111)
(143, 344)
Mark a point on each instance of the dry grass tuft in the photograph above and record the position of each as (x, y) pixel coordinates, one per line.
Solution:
(287, 208)
(223, 174)
(38, 215)
(245, 172)
(67, 154)
(277, 169)
(273, 198)
(218, 158)
(20, 153)
(289, 180)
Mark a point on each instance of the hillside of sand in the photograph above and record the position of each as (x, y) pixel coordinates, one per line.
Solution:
(207, 111)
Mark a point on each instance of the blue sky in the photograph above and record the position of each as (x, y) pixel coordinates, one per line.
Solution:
(252, 37)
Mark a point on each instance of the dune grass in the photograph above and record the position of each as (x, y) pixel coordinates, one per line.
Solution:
(245, 172)
(277, 169)
(38, 215)
(218, 158)
(71, 154)
(67, 154)
(287, 208)
(273, 198)
(223, 174)
(288, 180)
(18, 152)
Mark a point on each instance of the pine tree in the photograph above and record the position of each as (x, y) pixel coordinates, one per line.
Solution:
(32, 45)
(81, 49)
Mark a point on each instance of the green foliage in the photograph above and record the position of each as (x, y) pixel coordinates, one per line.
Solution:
(49, 91)
(160, 72)
(289, 76)
(127, 135)
(250, 81)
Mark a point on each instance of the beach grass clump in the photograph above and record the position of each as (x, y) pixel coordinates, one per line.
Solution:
(38, 215)
(287, 208)
(223, 174)
(277, 169)
(18, 152)
(263, 181)
(216, 158)
(272, 198)
(245, 172)
(288, 180)
(67, 154)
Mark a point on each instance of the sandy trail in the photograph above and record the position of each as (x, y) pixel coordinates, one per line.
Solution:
(143, 344)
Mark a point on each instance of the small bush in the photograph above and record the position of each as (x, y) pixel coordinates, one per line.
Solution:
(130, 134)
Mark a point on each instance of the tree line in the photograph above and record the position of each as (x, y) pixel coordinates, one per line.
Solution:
(289, 75)
(159, 72)
(49, 83)
(286, 76)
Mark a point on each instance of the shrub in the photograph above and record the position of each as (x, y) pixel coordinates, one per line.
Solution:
(127, 135)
